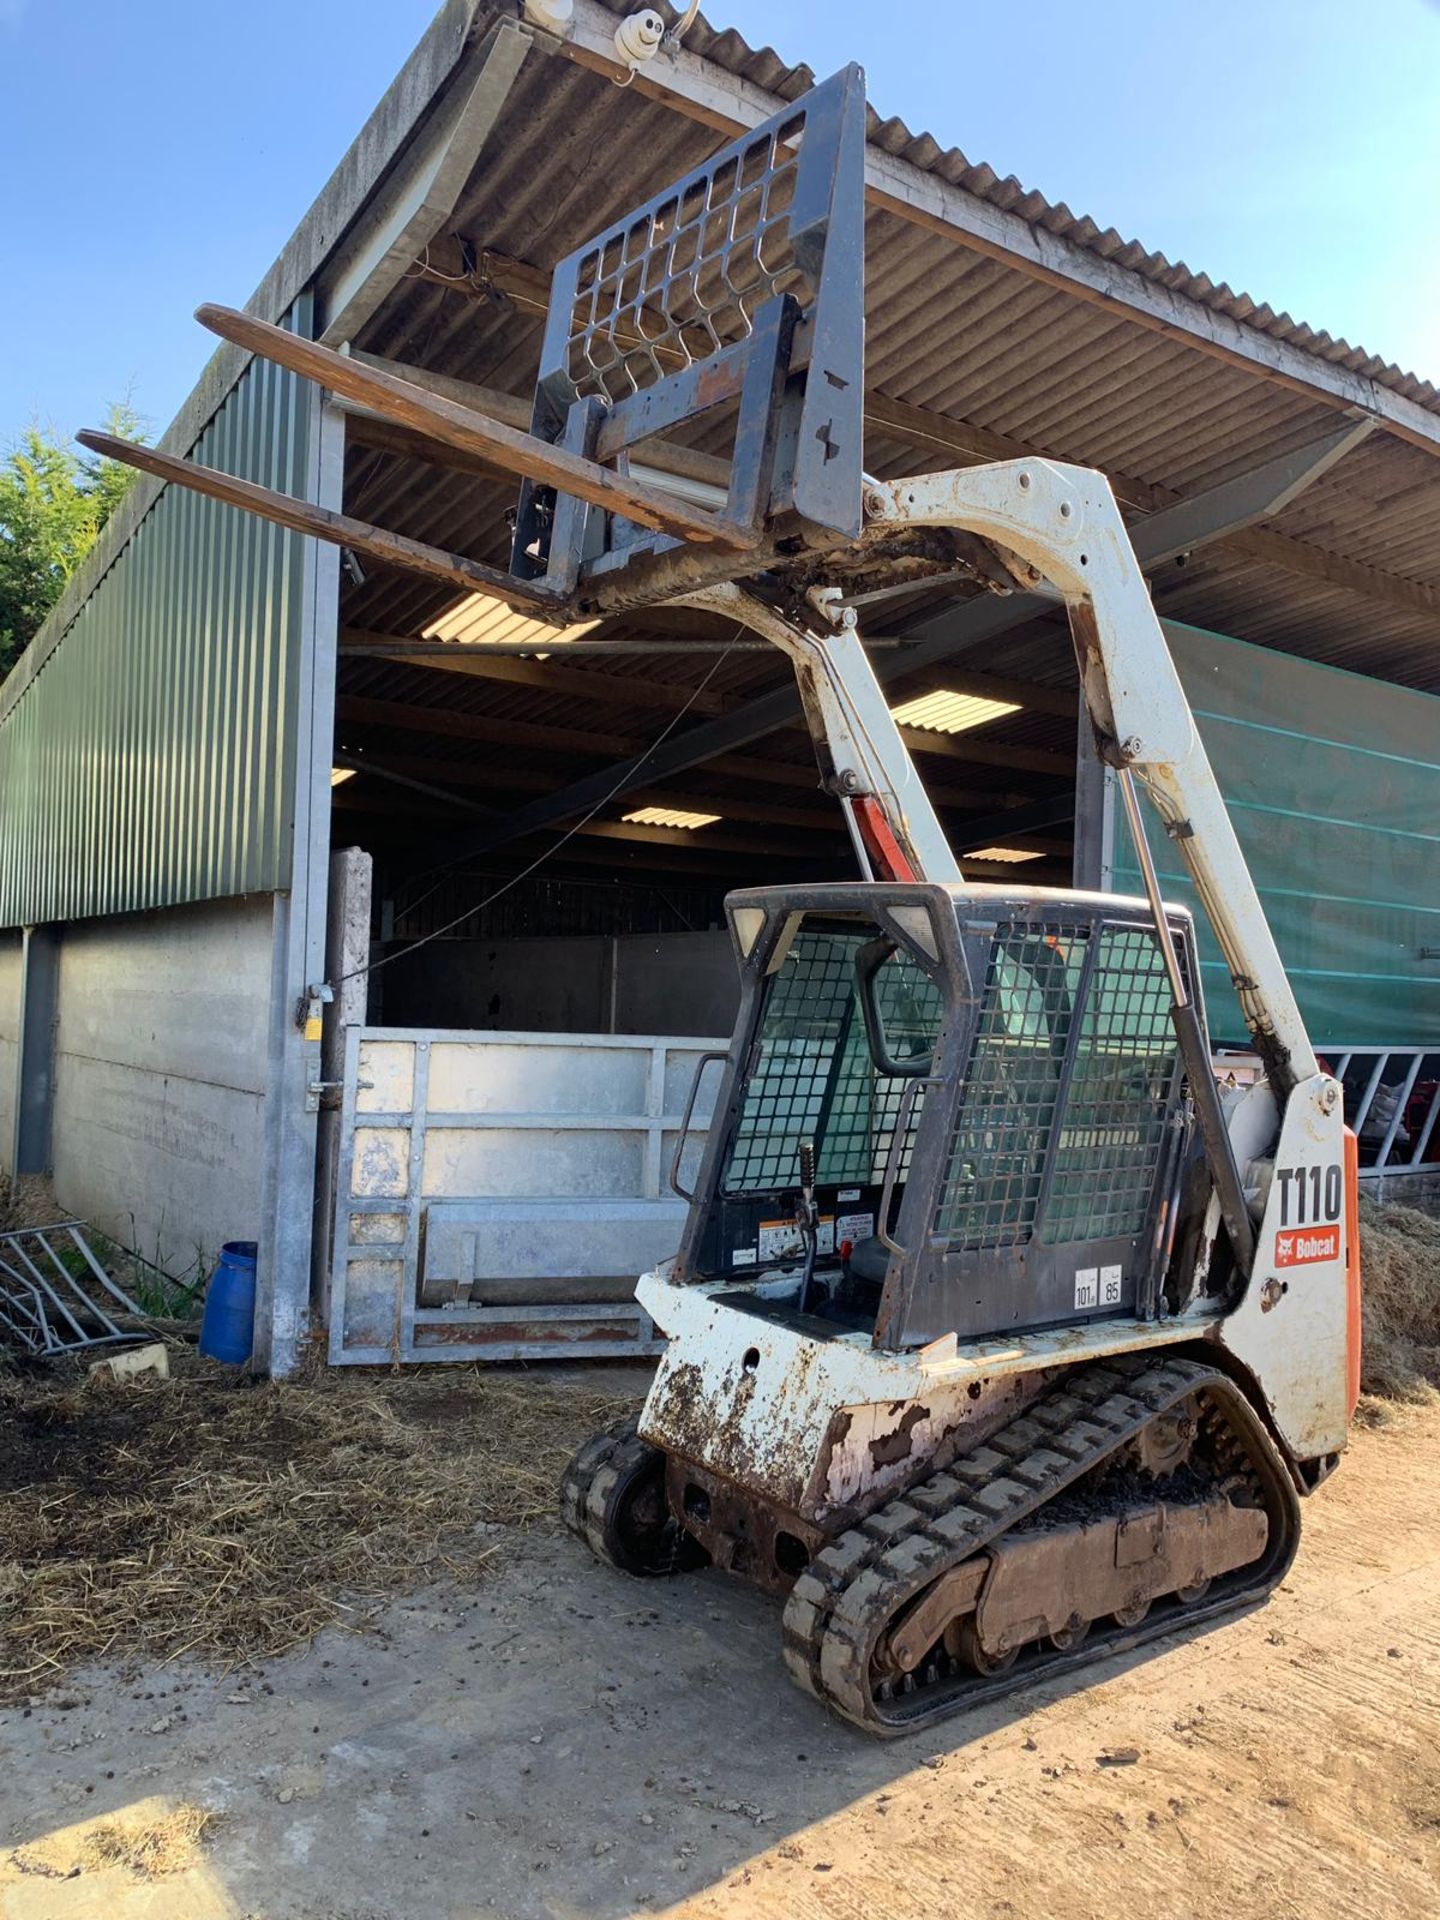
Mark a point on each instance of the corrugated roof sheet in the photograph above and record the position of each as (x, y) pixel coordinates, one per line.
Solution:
(975, 341)
(982, 346)
(765, 68)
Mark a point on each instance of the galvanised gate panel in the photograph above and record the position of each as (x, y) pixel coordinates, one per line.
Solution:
(151, 760)
(500, 1193)
(1333, 783)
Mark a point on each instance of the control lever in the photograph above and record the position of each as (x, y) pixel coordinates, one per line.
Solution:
(807, 1218)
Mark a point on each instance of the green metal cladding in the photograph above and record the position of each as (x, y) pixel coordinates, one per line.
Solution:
(152, 759)
(1333, 783)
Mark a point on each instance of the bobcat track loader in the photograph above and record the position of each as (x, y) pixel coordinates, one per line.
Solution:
(998, 1339)
(998, 1342)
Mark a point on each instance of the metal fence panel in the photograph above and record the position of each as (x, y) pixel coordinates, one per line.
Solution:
(1333, 783)
(151, 760)
(500, 1193)
(1392, 1100)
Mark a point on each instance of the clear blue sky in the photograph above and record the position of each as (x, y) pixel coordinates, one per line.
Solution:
(160, 151)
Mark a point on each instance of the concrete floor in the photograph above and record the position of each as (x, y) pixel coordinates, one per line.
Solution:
(565, 1744)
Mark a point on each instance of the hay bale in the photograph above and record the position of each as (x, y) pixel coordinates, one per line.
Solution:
(1400, 1275)
(198, 1516)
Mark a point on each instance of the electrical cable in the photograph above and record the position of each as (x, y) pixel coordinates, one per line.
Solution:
(374, 966)
(682, 27)
(421, 266)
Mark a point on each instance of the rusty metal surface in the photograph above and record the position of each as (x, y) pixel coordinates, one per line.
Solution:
(953, 1596)
(1057, 1581)
(743, 1534)
(794, 1418)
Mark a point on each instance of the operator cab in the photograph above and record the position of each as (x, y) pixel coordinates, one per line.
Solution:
(945, 1107)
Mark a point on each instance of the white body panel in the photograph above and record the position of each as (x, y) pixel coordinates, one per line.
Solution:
(766, 1424)
(1064, 523)
(1290, 1329)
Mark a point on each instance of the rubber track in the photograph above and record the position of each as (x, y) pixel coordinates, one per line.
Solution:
(590, 1480)
(856, 1586)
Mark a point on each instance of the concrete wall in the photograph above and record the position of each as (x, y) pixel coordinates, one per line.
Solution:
(160, 1071)
(10, 943)
(680, 983)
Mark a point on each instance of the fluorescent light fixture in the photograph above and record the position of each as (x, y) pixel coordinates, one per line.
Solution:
(1005, 856)
(339, 775)
(670, 817)
(480, 617)
(945, 712)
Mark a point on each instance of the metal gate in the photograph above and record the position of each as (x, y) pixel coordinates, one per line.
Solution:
(499, 1193)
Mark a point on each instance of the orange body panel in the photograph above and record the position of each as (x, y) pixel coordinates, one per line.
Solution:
(1352, 1270)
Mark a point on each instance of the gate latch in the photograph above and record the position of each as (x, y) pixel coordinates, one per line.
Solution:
(310, 1014)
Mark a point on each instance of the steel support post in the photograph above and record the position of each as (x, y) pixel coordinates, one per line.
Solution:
(289, 1211)
(347, 954)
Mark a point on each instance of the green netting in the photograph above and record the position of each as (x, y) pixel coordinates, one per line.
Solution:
(1333, 783)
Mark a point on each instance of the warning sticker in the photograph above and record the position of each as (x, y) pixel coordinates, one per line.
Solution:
(783, 1240)
(853, 1227)
(1299, 1246)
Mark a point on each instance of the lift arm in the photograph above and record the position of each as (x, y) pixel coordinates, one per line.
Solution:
(1061, 523)
(863, 760)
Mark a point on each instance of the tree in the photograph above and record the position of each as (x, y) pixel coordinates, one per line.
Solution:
(53, 503)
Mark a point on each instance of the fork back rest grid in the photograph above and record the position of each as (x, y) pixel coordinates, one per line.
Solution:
(738, 283)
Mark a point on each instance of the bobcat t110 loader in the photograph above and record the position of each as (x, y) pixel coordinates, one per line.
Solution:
(998, 1342)
(998, 1339)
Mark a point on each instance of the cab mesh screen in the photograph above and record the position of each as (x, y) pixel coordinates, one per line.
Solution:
(996, 1164)
(1062, 1112)
(1119, 1095)
(814, 1078)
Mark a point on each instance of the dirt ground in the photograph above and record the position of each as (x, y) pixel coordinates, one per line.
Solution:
(564, 1744)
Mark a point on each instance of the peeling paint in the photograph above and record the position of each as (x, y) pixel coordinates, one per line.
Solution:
(796, 1428)
(888, 1449)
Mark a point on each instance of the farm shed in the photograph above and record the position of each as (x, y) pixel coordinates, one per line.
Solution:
(236, 774)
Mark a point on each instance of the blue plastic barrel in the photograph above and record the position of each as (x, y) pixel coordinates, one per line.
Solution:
(227, 1329)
